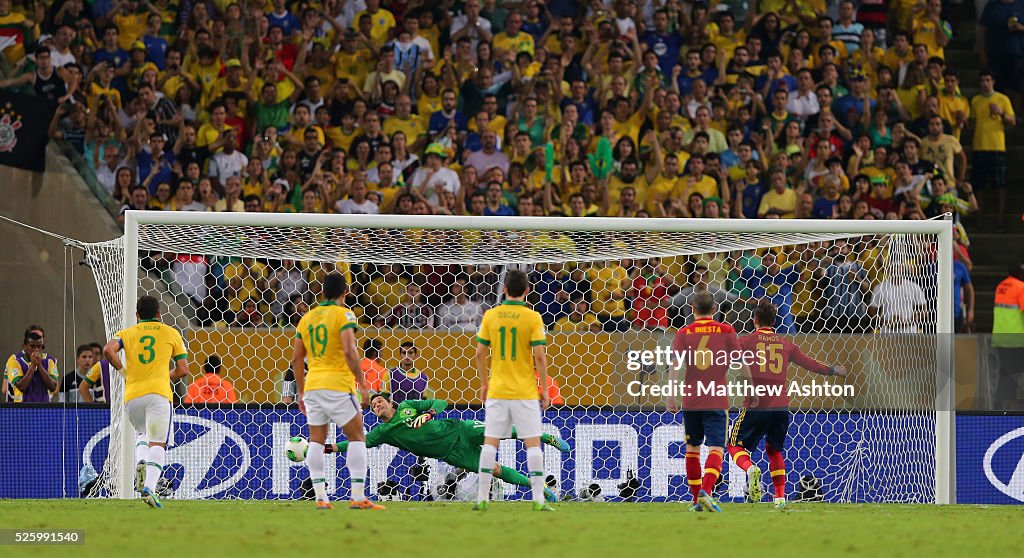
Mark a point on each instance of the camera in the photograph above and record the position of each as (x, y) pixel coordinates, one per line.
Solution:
(420, 471)
(591, 493)
(629, 489)
(389, 491)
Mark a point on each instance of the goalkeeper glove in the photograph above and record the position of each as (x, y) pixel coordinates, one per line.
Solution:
(422, 419)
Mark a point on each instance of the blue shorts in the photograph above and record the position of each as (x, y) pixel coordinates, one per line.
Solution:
(988, 170)
(707, 427)
(754, 424)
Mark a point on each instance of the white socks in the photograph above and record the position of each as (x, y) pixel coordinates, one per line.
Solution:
(315, 464)
(488, 457)
(141, 449)
(154, 466)
(355, 458)
(535, 464)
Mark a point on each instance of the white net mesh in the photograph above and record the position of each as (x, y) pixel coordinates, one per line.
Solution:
(106, 259)
(864, 302)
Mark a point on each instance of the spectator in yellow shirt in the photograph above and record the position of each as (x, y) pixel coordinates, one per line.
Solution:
(382, 21)
(930, 29)
(17, 27)
(608, 283)
(246, 279)
(513, 39)
(412, 125)
(780, 201)
(992, 112)
(356, 57)
(696, 181)
(130, 23)
(102, 90)
(580, 320)
(385, 292)
(899, 54)
(209, 133)
(953, 106)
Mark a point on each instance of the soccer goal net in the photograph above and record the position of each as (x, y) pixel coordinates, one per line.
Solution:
(874, 297)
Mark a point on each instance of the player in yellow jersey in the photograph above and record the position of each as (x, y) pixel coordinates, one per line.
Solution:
(326, 335)
(509, 389)
(149, 348)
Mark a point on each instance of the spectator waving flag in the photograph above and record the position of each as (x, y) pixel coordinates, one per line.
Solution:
(24, 121)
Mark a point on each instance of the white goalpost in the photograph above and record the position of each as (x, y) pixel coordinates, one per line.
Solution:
(608, 285)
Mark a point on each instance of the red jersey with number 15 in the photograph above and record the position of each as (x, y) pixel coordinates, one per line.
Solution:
(707, 348)
(776, 353)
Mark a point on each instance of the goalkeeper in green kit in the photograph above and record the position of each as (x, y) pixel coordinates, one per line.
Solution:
(411, 426)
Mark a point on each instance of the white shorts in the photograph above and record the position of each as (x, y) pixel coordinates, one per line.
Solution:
(327, 405)
(502, 414)
(150, 415)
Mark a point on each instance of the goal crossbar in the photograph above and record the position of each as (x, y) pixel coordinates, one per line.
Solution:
(565, 224)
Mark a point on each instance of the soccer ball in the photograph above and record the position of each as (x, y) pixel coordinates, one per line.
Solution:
(296, 448)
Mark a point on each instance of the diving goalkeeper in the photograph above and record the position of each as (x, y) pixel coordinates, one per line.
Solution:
(411, 426)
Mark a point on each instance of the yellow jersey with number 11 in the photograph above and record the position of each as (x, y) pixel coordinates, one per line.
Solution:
(320, 331)
(149, 347)
(511, 330)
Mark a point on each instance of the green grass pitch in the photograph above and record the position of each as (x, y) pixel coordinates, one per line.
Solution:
(213, 529)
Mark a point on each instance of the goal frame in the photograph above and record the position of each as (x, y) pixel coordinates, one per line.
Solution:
(945, 396)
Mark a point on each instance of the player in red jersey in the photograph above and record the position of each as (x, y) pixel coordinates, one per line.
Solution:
(709, 348)
(770, 418)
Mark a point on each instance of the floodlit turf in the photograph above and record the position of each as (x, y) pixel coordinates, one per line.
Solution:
(212, 529)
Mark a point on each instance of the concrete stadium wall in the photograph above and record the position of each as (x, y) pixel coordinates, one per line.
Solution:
(32, 270)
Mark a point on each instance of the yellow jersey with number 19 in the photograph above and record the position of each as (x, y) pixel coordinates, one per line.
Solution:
(320, 331)
(149, 347)
(511, 330)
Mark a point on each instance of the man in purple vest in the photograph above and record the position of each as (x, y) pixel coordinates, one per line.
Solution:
(408, 383)
(32, 372)
(94, 388)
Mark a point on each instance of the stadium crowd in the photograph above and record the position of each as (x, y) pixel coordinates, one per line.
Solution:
(773, 109)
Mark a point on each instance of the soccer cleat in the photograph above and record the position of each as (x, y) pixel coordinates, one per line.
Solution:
(707, 502)
(150, 498)
(696, 507)
(780, 503)
(549, 495)
(541, 506)
(754, 483)
(555, 442)
(480, 506)
(324, 505)
(364, 505)
(140, 476)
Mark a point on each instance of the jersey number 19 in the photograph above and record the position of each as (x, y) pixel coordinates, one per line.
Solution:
(318, 340)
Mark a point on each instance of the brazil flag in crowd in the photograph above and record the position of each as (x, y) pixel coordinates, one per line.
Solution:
(24, 130)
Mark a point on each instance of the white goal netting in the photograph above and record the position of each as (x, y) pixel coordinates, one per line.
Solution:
(866, 302)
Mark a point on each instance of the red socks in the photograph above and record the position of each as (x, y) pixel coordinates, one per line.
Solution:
(777, 469)
(712, 470)
(693, 477)
(740, 457)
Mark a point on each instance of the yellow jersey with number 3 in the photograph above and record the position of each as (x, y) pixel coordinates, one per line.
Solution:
(511, 330)
(149, 347)
(320, 331)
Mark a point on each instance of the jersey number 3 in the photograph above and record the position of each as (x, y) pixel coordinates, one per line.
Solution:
(148, 354)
